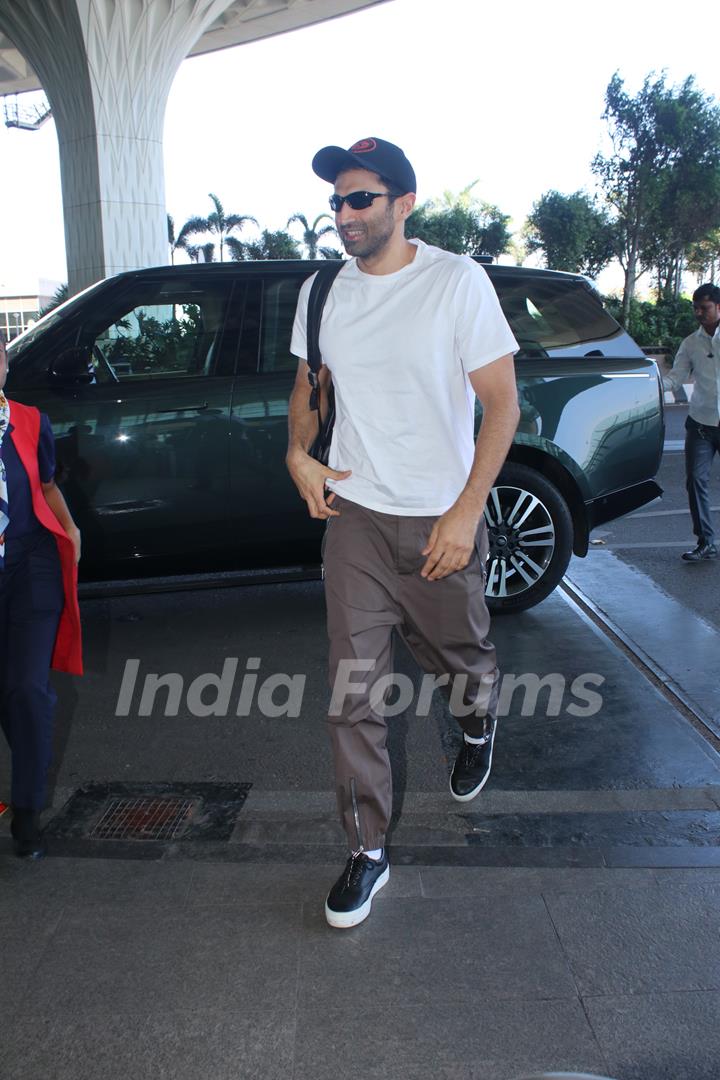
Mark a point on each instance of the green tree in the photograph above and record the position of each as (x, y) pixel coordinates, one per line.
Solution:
(664, 141)
(218, 224)
(664, 323)
(201, 252)
(686, 208)
(312, 235)
(479, 229)
(271, 245)
(58, 297)
(572, 233)
(172, 239)
(703, 257)
(452, 199)
(181, 241)
(461, 222)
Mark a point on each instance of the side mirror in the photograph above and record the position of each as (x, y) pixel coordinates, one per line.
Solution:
(72, 367)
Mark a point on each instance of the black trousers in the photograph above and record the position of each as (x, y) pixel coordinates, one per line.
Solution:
(31, 600)
(701, 444)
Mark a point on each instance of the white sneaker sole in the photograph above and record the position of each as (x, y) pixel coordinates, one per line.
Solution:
(476, 790)
(343, 920)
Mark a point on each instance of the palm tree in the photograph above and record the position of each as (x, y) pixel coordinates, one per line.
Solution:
(181, 242)
(171, 236)
(237, 249)
(311, 234)
(271, 245)
(219, 224)
(450, 199)
(58, 297)
(195, 251)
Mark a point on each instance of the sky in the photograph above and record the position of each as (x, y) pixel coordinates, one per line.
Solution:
(508, 94)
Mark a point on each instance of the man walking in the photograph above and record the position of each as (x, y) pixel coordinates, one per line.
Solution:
(410, 335)
(698, 361)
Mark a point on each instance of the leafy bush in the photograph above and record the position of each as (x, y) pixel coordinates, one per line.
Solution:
(467, 230)
(157, 345)
(664, 323)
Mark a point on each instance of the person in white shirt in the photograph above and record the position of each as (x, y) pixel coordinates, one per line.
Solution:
(698, 361)
(410, 336)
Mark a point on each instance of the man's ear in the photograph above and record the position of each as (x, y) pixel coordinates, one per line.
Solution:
(406, 204)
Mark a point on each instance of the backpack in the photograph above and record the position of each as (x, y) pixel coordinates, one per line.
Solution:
(319, 291)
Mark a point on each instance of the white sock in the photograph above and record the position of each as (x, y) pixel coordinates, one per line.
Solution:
(375, 854)
(477, 742)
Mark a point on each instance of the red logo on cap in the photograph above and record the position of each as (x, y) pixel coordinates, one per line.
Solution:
(364, 146)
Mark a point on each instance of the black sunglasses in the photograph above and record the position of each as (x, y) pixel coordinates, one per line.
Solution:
(356, 200)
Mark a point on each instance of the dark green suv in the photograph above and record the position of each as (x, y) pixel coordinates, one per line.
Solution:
(168, 390)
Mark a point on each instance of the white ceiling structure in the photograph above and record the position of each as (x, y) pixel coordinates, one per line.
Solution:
(106, 67)
(242, 21)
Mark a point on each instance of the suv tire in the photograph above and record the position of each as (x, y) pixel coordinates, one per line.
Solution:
(530, 531)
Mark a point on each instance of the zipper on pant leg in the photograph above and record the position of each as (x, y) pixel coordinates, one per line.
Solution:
(356, 815)
(323, 542)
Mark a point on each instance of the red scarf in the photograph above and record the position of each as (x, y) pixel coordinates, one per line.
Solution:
(67, 654)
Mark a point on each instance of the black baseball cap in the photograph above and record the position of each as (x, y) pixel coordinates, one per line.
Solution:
(377, 155)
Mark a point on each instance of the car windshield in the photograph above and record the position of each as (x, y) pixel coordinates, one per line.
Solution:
(18, 344)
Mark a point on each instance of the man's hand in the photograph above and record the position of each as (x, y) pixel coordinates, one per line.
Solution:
(452, 540)
(309, 477)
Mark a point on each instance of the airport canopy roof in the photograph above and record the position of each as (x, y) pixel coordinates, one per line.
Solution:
(242, 21)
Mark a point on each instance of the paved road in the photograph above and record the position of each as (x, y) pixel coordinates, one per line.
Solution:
(635, 575)
(552, 758)
(652, 539)
(566, 920)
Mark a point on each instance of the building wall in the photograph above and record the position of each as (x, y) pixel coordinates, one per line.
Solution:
(16, 314)
(18, 311)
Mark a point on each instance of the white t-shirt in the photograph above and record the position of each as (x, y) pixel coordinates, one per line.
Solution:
(400, 347)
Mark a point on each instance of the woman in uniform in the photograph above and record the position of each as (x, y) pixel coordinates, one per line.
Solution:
(39, 615)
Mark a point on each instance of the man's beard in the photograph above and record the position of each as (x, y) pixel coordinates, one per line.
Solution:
(372, 242)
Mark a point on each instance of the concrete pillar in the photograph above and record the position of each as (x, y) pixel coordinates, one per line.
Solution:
(107, 67)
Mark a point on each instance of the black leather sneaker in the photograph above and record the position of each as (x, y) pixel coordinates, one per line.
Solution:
(27, 838)
(702, 551)
(350, 899)
(472, 767)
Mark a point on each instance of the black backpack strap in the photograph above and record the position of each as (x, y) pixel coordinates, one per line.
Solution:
(316, 302)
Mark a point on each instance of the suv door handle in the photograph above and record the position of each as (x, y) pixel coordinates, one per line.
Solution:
(185, 408)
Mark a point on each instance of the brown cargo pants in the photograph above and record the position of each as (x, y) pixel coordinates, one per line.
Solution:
(373, 587)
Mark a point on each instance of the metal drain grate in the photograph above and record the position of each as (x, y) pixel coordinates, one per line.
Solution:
(111, 821)
(143, 819)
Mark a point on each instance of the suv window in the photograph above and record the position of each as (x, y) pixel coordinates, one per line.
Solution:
(556, 314)
(172, 329)
(280, 296)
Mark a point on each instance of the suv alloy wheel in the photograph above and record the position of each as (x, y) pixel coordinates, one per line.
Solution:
(530, 532)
